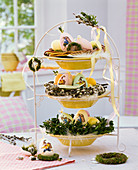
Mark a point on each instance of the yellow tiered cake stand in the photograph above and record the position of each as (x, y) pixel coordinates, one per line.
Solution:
(79, 64)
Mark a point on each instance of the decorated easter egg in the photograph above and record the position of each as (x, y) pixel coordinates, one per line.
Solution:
(56, 45)
(45, 148)
(80, 80)
(87, 113)
(57, 78)
(85, 44)
(81, 116)
(73, 76)
(65, 39)
(92, 120)
(65, 117)
(65, 79)
(91, 81)
(84, 111)
(96, 44)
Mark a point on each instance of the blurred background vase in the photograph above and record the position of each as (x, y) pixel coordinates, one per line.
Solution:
(9, 61)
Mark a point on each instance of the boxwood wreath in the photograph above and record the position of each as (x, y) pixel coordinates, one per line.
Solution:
(74, 45)
(32, 66)
(111, 158)
(53, 157)
(55, 127)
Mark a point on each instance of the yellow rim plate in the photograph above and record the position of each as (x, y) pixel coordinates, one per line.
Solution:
(79, 99)
(70, 59)
(83, 140)
(78, 137)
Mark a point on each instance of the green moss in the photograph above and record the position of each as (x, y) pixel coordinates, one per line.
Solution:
(55, 156)
(74, 44)
(111, 158)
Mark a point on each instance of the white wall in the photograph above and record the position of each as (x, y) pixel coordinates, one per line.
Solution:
(49, 13)
(110, 13)
(117, 29)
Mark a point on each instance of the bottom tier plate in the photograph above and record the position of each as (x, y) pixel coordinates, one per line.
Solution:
(79, 140)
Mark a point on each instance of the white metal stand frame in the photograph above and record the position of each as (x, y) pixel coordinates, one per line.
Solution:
(118, 92)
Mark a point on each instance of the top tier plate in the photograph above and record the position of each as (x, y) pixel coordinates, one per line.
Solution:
(72, 63)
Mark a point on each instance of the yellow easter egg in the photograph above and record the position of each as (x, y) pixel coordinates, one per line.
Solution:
(96, 44)
(56, 45)
(91, 81)
(92, 120)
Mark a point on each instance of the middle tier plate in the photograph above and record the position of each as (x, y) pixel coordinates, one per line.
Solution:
(76, 103)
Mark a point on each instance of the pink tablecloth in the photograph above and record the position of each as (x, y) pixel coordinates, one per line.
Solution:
(9, 161)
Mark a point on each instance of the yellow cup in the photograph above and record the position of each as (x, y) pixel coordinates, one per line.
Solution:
(9, 61)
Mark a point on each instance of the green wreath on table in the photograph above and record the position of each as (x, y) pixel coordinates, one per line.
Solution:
(32, 66)
(53, 157)
(111, 158)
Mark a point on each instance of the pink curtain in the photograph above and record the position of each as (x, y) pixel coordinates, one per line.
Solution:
(131, 96)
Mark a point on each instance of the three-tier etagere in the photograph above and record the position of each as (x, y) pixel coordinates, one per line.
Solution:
(112, 64)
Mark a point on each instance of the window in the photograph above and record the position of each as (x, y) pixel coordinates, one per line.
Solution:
(17, 26)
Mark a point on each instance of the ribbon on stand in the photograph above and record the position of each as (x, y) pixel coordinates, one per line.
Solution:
(107, 55)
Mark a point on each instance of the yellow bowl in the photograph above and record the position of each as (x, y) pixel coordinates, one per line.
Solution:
(77, 103)
(74, 65)
(10, 65)
(83, 140)
(77, 63)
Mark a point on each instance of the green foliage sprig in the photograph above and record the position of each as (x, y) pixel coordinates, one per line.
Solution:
(75, 45)
(55, 72)
(31, 148)
(55, 127)
(89, 20)
(61, 29)
(12, 139)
